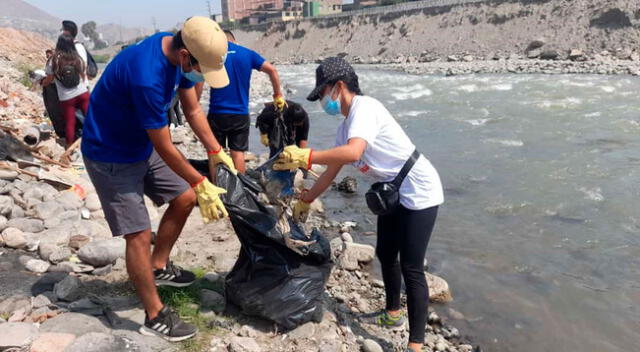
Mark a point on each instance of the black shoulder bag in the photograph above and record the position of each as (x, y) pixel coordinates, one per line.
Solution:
(384, 197)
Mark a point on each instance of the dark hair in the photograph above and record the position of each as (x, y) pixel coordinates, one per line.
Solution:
(71, 27)
(66, 44)
(229, 33)
(178, 44)
(295, 113)
(48, 51)
(66, 53)
(351, 80)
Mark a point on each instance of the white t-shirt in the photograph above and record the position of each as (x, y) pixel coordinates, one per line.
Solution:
(388, 148)
(65, 93)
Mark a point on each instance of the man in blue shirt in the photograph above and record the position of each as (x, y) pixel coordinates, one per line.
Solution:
(229, 106)
(128, 153)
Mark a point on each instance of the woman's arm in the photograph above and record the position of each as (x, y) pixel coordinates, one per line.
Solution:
(344, 154)
(324, 181)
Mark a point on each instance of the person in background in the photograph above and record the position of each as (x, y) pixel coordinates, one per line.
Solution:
(128, 153)
(48, 53)
(68, 71)
(70, 28)
(229, 106)
(371, 140)
(296, 121)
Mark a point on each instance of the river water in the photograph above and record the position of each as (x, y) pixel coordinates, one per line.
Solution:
(539, 233)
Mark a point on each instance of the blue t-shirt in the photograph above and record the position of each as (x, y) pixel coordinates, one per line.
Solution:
(234, 98)
(132, 96)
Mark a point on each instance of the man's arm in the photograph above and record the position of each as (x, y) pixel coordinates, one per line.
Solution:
(199, 88)
(161, 140)
(197, 120)
(271, 71)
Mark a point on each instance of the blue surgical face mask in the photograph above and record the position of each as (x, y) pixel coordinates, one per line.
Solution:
(330, 106)
(193, 75)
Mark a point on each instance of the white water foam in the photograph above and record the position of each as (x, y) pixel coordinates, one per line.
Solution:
(477, 122)
(506, 142)
(594, 194)
(608, 89)
(469, 88)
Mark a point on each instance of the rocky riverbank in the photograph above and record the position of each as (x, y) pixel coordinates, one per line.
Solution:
(586, 36)
(64, 281)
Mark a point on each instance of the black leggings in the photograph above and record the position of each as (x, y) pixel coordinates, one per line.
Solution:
(406, 232)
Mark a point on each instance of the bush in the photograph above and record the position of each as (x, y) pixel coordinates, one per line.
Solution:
(24, 69)
(102, 59)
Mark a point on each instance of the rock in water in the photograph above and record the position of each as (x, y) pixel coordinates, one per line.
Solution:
(68, 289)
(14, 238)
(243, 344)
(348, 185)
(438, 289)
(17, 336)
(103, 252)
(371, 346)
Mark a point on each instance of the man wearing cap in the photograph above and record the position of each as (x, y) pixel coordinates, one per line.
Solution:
(128, 153)
(229, 106)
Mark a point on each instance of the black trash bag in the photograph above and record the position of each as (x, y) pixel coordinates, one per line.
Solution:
(269, 279)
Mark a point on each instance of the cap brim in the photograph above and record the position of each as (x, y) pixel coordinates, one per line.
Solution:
(315, 93)
(215, 78)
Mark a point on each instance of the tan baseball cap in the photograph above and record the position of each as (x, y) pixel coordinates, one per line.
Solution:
(208, 44)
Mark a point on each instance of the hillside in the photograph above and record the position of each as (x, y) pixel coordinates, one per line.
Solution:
(483, 30)
(22, 15)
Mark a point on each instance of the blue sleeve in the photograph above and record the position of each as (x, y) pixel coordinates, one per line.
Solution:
(256, 60)
(149, 107)
(185, 83)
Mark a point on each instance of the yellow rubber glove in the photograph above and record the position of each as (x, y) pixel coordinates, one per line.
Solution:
(301, 210)
(293, 158)
(220, 157)
(279, 102)
(208, 195)
(264, 139)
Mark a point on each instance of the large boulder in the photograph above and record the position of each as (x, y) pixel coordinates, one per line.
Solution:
(14, 238)
(103, 252)
(354, 253)
(69, 200)
(6, 205)
(101, 342)
(47, 210)
(68, 289)
(27, 225)
(52, 342)
(74, 323)
(17, 336)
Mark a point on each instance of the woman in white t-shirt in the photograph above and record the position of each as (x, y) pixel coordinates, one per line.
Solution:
(371, 140)
(68, 70)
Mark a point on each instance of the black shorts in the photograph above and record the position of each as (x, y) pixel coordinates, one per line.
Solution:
(231, 130)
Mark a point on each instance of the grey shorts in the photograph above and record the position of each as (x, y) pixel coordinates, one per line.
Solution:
(121, 189)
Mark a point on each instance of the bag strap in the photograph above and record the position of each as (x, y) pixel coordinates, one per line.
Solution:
(408, 165)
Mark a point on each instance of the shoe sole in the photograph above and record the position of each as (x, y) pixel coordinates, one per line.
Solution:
(148, 332)
(173, 284)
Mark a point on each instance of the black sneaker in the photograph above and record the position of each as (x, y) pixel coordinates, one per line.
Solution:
(168, 326)
(173, 275)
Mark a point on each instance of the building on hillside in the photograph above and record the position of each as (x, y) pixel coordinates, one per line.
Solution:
(235, 10)
(321, 7)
